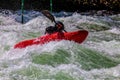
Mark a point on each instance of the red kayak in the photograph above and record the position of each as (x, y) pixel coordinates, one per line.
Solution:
(77, 36)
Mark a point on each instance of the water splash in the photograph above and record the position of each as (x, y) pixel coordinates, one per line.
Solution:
(78, 63)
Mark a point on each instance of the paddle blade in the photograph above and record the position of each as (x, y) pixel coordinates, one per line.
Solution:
(48, 15)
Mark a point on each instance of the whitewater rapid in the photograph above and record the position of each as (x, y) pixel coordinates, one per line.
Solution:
(21, 64)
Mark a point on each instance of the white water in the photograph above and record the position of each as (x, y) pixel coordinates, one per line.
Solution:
(12, 60)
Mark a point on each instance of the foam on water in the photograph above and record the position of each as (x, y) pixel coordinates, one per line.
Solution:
(5, 20)
(115, 31)
(13, 61)
(111, 48)
(17, 59)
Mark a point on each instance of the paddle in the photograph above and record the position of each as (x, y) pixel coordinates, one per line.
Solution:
(48, 15)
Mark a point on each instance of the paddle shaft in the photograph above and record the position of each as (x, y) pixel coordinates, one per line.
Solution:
(22, 9)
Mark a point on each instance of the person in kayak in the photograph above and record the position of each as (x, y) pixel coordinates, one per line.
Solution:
(59, 27)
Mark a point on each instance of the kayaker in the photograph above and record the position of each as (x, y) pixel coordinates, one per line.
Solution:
(59, 27)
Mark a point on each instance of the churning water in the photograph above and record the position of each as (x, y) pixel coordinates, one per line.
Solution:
(98, 58)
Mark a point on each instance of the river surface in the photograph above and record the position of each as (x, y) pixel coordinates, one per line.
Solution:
(97, 58)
